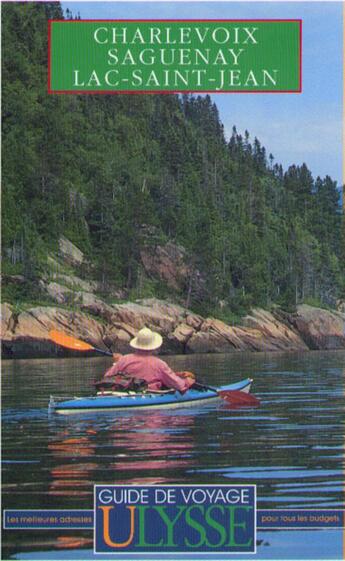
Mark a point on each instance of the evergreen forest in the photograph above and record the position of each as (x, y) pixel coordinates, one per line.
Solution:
(114, 172)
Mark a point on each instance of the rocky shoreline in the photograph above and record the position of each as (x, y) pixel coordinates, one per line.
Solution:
(110, 327)
(78, 308)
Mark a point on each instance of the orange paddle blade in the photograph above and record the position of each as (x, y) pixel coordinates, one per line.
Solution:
(69, 342)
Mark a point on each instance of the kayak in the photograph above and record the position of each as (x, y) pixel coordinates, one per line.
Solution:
(131, 400)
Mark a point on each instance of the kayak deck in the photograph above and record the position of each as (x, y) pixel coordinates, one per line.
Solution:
(126, 400)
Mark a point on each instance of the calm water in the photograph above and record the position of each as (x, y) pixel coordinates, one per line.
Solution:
(292, 446)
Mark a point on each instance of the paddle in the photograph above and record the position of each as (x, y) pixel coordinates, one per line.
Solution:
(238, 398)
(74, 344)
(234, 397)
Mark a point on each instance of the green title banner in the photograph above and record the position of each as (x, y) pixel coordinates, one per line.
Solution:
(174, 56)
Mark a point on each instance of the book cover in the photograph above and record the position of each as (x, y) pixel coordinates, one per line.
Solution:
(172, 178)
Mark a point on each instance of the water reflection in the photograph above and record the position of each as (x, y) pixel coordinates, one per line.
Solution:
(72, 542)
(145, 443)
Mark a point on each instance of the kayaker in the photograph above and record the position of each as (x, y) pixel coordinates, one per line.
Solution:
(143, 364)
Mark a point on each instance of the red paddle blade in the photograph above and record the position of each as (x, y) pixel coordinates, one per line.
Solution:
(235, 397)
(69, 342)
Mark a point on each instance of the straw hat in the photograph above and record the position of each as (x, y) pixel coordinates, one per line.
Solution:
(146, 340)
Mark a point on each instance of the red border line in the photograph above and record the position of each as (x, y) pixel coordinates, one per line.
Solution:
(49, 54)
(167, 92)
(172, 20)
(300, 55)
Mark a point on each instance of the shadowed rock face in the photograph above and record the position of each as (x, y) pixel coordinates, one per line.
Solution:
(320, 329)
(171, 264)
(168, 263)
(105, 326)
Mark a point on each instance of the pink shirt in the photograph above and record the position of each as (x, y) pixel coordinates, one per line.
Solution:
(150, 368)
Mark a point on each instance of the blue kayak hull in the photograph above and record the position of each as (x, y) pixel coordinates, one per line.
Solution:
(144, 400)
